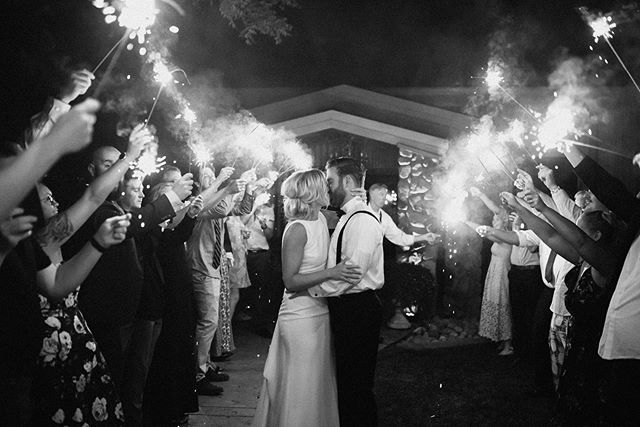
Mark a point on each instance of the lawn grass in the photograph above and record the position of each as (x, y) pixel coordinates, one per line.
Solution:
(457, 386)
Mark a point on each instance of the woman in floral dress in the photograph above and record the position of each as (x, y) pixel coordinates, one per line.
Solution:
(73, 386)
(495, 312)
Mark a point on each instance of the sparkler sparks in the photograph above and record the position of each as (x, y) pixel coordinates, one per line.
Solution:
(493, 79)
(602, 26)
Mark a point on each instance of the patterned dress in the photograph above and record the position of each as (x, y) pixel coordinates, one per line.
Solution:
(495, 314)
(582, 393)
(73, 385)
(223, 340)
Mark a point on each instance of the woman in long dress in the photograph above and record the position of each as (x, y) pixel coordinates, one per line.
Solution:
(495, 312)
(299, 386)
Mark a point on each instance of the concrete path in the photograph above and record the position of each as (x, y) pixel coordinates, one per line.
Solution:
(236, 406)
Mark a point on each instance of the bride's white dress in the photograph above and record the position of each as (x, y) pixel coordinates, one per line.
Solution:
(299, 386)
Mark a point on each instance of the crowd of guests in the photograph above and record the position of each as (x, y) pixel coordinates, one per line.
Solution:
(116, 306)
(562, 287)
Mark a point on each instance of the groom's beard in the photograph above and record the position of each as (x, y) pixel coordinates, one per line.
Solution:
(336, 197)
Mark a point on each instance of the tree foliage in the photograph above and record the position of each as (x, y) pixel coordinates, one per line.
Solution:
(258, 17)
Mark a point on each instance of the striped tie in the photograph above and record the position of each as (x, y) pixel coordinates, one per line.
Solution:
(217, 244)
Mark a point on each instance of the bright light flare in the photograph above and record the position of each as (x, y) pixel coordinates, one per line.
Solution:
(161, 73)
(558, 124)
(147, 164)
(138, 15)
(493, 78)
(602, 26)
(189, 115)
(201, 154)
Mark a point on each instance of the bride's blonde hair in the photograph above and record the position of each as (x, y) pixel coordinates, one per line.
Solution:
(302, 190)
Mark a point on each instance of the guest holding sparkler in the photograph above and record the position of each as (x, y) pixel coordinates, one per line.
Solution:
(204, 251)
(495, 314)
(167, 302)
(591, 246)
(109, 296)
(76, 85)
(619, 343)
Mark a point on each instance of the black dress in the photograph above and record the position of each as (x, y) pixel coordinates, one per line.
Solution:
(582, 390)
(170, 390)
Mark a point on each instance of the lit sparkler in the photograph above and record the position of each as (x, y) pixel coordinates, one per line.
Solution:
(164, 76)
(602, 27)
(201, 154)
(148, 163)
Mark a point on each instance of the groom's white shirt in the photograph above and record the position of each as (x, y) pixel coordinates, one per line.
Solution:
(362, 245)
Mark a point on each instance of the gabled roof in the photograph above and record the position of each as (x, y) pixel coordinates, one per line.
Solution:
(363, 112)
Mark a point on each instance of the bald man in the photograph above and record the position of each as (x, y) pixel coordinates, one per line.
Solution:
(102, 159)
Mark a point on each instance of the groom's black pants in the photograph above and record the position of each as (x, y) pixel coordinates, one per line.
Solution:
(355, 323)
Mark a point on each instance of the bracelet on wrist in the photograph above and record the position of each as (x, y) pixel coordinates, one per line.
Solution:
(97, 245)
(554, 189)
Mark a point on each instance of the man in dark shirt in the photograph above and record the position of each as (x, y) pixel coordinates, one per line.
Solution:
(110, 295)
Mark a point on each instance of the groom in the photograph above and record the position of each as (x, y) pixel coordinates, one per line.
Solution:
(355, 310)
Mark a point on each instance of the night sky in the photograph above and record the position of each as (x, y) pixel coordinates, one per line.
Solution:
(361, 43)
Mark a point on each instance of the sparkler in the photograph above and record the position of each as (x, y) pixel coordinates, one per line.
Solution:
(602, 27)
(164, 77)
(595, 147)
(493, 80)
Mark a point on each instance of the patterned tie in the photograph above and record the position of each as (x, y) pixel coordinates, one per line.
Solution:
(217, 246)
(548, 270)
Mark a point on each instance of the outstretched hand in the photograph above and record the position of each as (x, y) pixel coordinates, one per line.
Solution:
(15, 229)
(533, 199)
(78, 84)
(546, 176)
(140, 137)
(347, 272)
(113, 230)
(73, 130)
(475, 192)
(183, 186)
(509, 199)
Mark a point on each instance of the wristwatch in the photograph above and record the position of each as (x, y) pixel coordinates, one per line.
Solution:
(554, 189)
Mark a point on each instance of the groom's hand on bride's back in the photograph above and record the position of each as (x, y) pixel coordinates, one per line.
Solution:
(347, 272)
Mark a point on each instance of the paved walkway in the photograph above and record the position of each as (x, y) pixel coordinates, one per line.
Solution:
(236, 406)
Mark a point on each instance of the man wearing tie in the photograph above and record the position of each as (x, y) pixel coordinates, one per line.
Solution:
(355, 310)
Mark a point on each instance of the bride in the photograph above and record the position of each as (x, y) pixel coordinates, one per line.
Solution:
(299, 386)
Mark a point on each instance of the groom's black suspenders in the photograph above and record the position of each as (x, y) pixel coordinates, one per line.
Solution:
(339, 246)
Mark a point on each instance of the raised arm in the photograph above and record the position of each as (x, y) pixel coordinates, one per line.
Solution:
(601, 259)
(606, 188)
(495, 235)
(493, 207)
(293, 244)
(41, 124)
(61, 227)
(543, 230)
(72, 133)
(58, 281)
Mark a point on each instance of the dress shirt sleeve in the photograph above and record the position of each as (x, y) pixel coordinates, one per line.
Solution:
(42, 122)
(527, 238)
(175, 201)
(393, 233)
(244, 207)
(359, 243)
(566, 206)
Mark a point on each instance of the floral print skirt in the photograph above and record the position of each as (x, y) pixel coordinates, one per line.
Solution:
(73, 386)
